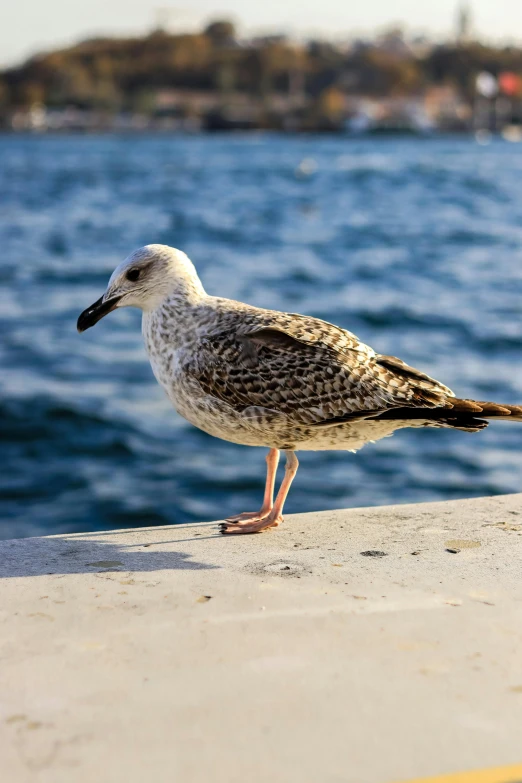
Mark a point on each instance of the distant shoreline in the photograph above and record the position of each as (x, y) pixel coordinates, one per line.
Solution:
(512, 134)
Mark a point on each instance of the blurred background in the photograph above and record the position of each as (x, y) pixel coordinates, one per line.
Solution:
(328, 161)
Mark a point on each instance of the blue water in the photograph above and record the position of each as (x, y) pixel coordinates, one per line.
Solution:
(414, 245)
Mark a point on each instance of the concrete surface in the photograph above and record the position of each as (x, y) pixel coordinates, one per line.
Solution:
(176, 654)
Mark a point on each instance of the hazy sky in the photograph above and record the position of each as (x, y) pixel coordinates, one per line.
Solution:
(27, 26)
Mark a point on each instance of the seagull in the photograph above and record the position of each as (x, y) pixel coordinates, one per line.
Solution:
(283, 381)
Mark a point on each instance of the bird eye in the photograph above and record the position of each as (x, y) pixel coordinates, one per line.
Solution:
(133, 275)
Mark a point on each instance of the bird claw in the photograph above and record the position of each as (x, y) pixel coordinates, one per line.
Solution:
(255, 524)
(247, 515)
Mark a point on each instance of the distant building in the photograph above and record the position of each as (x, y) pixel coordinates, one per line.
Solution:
(464, 23)
(393, 42)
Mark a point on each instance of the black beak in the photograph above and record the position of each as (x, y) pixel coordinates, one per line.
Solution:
(95, 312)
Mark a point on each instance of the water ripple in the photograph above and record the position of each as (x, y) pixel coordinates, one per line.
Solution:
(414, 245)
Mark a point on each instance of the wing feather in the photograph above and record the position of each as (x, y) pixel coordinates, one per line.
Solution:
(308, 369)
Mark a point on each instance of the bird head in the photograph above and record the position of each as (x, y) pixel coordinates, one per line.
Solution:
(144, 280)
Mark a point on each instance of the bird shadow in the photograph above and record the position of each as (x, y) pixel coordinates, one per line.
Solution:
(78, 555)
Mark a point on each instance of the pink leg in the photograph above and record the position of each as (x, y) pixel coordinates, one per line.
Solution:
(274, 517)
(272, 461)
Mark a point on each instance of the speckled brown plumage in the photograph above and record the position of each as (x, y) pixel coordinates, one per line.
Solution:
(287, 379)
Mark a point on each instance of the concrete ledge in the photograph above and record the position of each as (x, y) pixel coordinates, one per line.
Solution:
(361, 646)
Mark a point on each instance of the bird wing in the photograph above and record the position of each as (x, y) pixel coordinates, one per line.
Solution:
(312, 371)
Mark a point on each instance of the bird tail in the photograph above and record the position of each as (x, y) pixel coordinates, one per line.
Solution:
(485, 410)
(467, 415)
